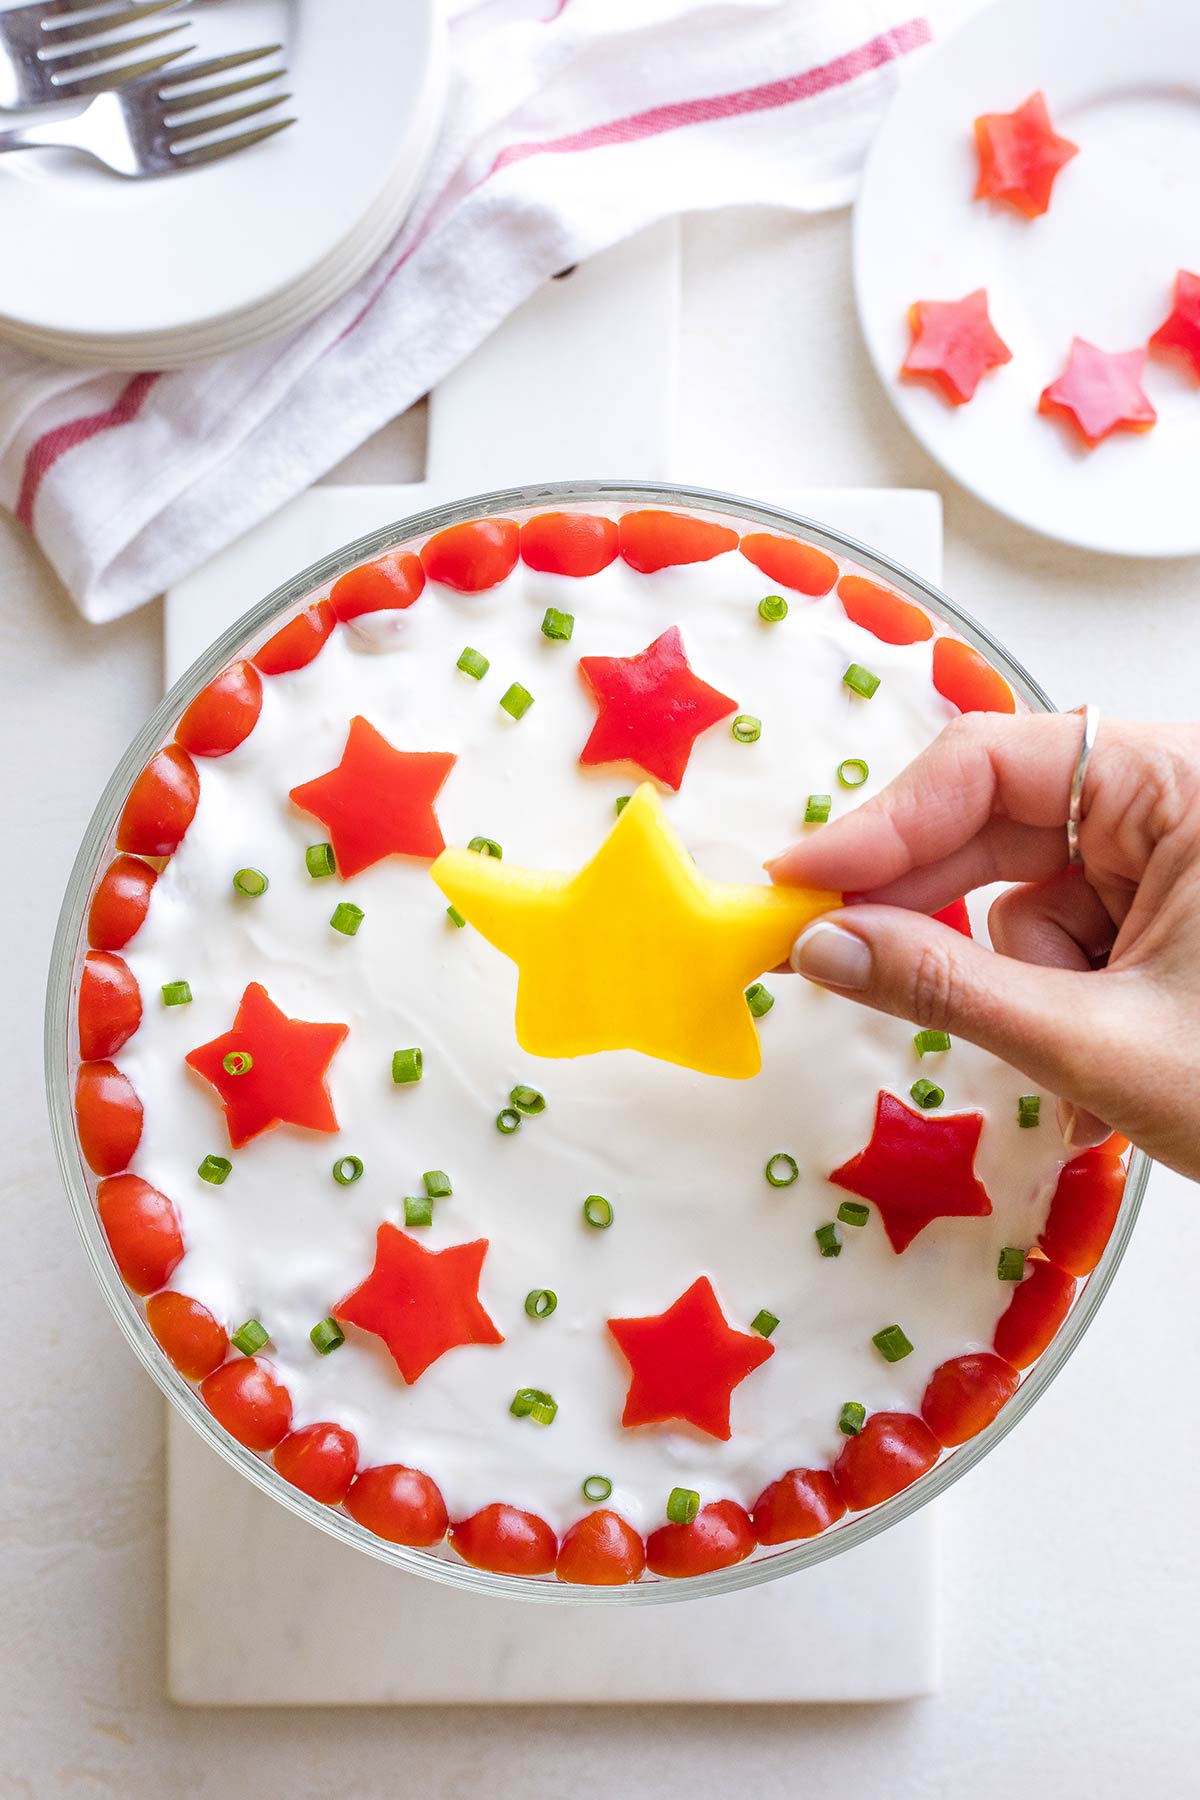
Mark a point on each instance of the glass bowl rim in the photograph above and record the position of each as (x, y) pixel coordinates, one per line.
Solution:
(185, 1398)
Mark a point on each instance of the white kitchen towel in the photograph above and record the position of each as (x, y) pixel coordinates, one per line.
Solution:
(570, 124)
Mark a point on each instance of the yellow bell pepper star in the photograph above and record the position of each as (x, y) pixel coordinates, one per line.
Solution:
(637, 950)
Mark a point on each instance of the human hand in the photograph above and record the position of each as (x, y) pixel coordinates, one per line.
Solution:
(1093, 987)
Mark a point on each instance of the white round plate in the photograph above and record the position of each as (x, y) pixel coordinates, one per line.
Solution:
(230, 247)
(1122, 80)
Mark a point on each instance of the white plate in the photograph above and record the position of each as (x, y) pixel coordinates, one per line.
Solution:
(237, 246)
(1122, 79)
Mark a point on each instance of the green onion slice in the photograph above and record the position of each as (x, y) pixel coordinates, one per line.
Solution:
(540, 1302)
(892, 1344)
(473, 663)
(455, 917)
(1029, 1111)
(418, 1210)
(176, 993)
(860, 680)
(250, 1337)
(621, 802)
(853, 1212)
(528, 1100)
(598, 1211)
(437, 1184)
(535, 1404)
(508, 1120)
(1011, 1264)
(347, 918)
(214, 1169)
(828, 1240)
(926, 1042)
(251, 882)
(682, 1505)
(759, 999)
(816, 810)
(596, 1488)
(764, 1322)
(326, 1336)
(558, 625)
(319, 861)
(773, 608)
(237, 1062)
(407, 1065)
(853, 772)
(927, 1093)
(347, 1170)
(486, 847)
(746, 728)
(782, 1169)
(852, 1418)
(516, 701)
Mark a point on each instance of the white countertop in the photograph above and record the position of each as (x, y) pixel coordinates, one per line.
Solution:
(1072, 1580)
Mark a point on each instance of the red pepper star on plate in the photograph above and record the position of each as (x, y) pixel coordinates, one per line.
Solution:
(378, 801)
(277, 1069)
(917, 1168)
(686, 1362)
(420, 1302)
(1100, 392)
(1020, 155)
(652, 708)
(1180, 332)
(954, 344)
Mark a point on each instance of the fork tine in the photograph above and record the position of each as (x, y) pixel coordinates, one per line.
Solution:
(216, 65)
(72, 29)
(198, 127)
(182, 103)
(230, 146)
(114, 78)
(87, 59)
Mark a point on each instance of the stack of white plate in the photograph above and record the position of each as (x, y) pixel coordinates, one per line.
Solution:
(156, 274)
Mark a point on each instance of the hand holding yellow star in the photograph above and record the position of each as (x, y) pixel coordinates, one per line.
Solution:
(637, 950)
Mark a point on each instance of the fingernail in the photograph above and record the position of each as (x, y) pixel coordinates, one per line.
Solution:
(832, 956)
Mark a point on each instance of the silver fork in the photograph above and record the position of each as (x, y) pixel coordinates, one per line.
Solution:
(147, 128)
(48, 55)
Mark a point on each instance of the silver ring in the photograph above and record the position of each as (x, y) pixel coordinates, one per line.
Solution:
(1091, 725)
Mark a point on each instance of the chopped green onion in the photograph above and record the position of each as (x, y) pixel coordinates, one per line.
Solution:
(773, 608)
(860, 680)
(318, 860)
(558, 625)
(251, 882)
(927, 1093)
(176, 993)
(418, 1210)
(682, 1505)
(516, 701)
(853, 1212)
(474, 664)
(486, 847)
(214, 1169)
(326, 1336)
(828, 1240)
(892, 1344)
(1011, 1265)
(250, 1337)
(535, 1404)
(746, 728)
(926, 1042)
(764, 1322)
(853, 772)
(437, 1184)
(407, 1065)
(622, 801)
(347, 918)
(528, 1100)
(598, 1211)
(759, 999)
(347, 1170)
(543, 1411)
(782, 1169)
(596, 1488)
(816, 810)
(852, 1418)
(1029, 1111)
(508, 1120)
(237, 1062)
(455, 917)
(540, 1302)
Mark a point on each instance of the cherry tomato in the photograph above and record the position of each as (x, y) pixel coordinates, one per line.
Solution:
(1038, 1307)
(389, 584)
(161, 804)
(473, 556)
(402, 1505)
(142, 1231)
(965, 1394)
(658, 540)
(187, 1333)
(505, 1540)
(956, 917)
(224, 713)
(719, 1536)
(298, 642)
(890, 1452)
(120, 902)
(110, 1005)
(1084, 1210)
(799, 1505)
(569, 543)
(967, 680)
(249, 1401)
(601, 1550)
(108, 1117)
(792, 564)
(881, 612)
(321, 1461)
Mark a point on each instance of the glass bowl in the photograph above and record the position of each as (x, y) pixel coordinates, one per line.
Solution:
(70, 943)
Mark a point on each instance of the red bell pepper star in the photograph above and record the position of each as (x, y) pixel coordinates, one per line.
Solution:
(420, 1302)
(954, 344)
(1100, 392)
(652, 708)
(686, 1362)
(378, 801)
(1180, 333)
(917, 1168)
(1020, 155)
(276, 1069)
